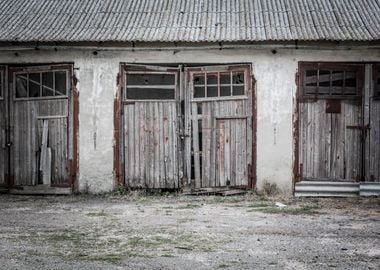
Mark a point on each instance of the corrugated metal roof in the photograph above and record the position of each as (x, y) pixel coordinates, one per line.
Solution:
(189, 20)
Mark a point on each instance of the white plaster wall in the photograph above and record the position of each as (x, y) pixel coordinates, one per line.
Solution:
(275, 75)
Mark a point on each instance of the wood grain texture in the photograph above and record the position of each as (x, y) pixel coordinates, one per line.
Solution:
(151, 151)
(225, 152)
(329, 149)
(27, 121)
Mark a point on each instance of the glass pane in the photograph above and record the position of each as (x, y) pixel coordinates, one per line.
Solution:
(212, 91)
(225, 78)
(60, 83)
(150, 79)
(311, 78)
(199, 79)
(1, 84)
(47, 79)
(238, 90)
(47, 84)
(199, 92)
(324, 78)
(225, 91)
(34, 84)
(47, 92)
(21, 86)
(350, 79)
(212, 79)
(150, 93)
(238, 78)
(337, 78)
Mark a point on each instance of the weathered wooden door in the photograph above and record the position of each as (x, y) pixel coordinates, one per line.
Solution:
(39, 125)
(220, 116)
(372, 122)
(332, 129)
(3, 127)
(150, 123)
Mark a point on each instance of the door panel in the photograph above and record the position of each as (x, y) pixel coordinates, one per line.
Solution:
(150, 138)
(221, 126)
(331, 145)
(40, 126)
(3, 127)
(150, 124)
(373, 131)
(231, 158)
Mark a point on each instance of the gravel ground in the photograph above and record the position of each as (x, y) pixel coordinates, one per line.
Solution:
(176, 232)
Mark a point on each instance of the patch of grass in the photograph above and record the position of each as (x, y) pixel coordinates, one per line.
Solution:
(65, 236)
(167, 255)
(304, 210)
(97, 214)
(260, 205)
(188, 206)
(111, 258)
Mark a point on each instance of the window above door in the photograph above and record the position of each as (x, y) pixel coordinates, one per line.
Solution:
(42, 82)
(331, 80)
(220, 82)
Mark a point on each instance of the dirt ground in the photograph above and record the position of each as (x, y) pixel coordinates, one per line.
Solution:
(176, 232)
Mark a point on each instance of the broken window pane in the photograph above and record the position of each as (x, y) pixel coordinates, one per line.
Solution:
(34, 84)
(150, 93)
(212, 91)
(337, 78)
(350, 80)
(60, 83)
(47, 84)
(199, 79)
(324, 78)
(150, 79)
(199, 92)
(21, 85)
(238, 78)
(311, 78)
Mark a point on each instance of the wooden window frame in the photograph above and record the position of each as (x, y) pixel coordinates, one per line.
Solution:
(317, 66)
(42, 69)
(130, 70)
(217, 70)
(2, 84)
(376, 77)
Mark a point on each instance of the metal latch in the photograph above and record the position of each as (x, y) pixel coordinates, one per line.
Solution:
(360, 127)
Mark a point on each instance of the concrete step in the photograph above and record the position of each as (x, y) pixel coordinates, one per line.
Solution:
(370, 189)
(3, 190)
(326, 189)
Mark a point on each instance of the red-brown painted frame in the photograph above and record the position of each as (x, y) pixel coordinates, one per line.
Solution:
(297, 166)
(118, 163)
(73, 163)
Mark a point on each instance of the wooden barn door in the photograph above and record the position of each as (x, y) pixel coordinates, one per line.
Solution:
(332, 130)
(220, 113)
(39, 125)
(372, 116)
(3, 127)
(150, 123)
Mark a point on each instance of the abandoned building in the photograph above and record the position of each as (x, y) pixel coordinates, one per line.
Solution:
(169, 94)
